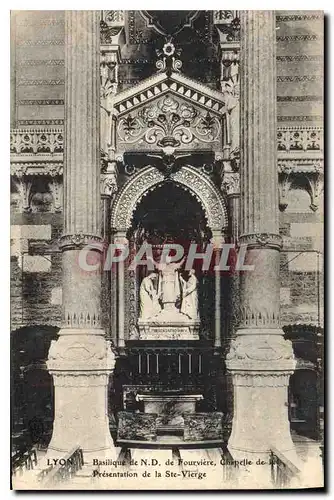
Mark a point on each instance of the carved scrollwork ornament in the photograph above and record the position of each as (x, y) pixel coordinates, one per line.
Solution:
(259, 353)
(169, 120)
(168, 62)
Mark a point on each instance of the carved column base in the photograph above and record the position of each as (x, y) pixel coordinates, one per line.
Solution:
(80, 365)
(260, 367)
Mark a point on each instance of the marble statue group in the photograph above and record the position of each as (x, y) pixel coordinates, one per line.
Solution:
(166, 291)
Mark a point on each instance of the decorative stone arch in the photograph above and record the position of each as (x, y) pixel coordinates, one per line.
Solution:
(188, 178)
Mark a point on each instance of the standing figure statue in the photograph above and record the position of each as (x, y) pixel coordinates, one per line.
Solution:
(149, 299)
(169, 285)
(189, 305)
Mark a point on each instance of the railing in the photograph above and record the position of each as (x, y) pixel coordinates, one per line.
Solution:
(65, 469)
(229, 470)
(282, 469)
(24, 461)
(37, 141)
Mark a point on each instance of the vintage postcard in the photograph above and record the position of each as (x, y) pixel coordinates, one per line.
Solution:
(167, 249)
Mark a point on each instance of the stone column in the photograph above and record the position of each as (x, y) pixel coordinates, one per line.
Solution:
(81, 360)
(260, 360)
(120, 239)
(217, 241)
(108, 192)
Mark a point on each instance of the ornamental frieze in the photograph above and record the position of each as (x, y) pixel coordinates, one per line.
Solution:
(36, 141)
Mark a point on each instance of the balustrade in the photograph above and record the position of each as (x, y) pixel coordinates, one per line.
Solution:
(65, 469)
(282, 469)
(24, 461)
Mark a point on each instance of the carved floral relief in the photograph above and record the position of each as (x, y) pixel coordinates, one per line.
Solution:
(169, 118)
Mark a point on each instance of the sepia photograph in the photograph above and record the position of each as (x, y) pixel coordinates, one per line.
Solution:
(166, 249)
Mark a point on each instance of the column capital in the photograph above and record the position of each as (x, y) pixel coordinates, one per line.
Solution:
(218, 239)
(79, 240)
(261, 240)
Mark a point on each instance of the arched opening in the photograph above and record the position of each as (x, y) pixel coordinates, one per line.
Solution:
(175, 358)
(170, 214)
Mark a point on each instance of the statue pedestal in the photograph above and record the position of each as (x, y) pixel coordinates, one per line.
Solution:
(167, 326)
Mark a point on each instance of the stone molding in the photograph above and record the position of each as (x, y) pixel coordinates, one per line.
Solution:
(260, 355)
(261, 379)
(178, 85)
(80, 378)
(82, 353)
